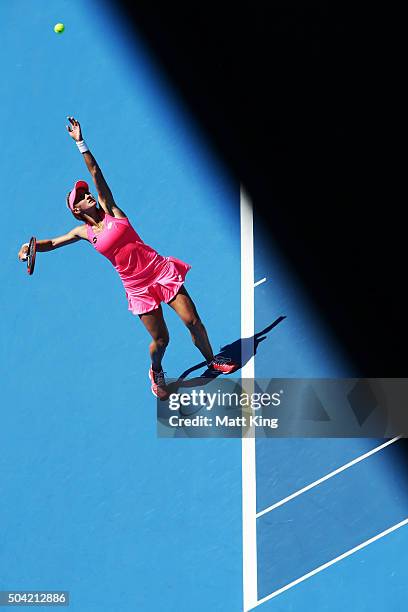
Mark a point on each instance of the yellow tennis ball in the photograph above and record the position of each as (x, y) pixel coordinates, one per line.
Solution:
(59, 28)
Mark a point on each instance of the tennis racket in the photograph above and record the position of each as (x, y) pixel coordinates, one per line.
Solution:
(32, 247)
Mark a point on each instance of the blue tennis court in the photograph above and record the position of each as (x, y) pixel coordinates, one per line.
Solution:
(93, 502)
(330, 513)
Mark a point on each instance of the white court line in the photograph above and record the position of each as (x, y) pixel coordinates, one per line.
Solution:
(330, 475)
(249, 546)
(260, 282)
(333, 561)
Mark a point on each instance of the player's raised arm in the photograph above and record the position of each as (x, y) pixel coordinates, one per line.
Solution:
(54, 243)
(105, 196)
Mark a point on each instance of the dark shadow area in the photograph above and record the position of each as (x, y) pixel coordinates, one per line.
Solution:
(303, 106)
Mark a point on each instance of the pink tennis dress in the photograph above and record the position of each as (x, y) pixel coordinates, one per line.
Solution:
(148, 278)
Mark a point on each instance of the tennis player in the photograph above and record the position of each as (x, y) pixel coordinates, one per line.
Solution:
(148, 278)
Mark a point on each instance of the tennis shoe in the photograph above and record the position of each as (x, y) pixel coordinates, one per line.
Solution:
(225, 365)
(158, 381)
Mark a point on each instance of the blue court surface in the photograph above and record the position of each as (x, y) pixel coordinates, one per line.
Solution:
(93, 502)
(330, 513)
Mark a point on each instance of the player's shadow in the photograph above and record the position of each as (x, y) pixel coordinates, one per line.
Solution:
(240, 352)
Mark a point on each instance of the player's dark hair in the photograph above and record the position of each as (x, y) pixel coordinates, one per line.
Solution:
(79, 217)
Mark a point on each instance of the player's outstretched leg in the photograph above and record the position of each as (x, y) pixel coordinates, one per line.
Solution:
(157, 328)
(185, 308)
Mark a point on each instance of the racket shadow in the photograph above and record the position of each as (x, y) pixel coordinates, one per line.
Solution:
(234, 351)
